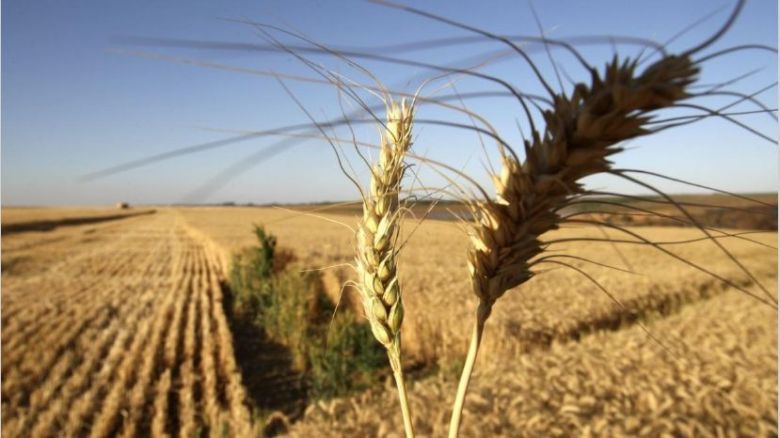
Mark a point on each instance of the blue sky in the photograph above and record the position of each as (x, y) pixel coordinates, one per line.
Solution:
(75, 100)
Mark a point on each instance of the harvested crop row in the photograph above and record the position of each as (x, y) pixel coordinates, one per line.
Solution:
(89, 350)
(32, 298)
(87, 311)
(235, 394)
(715, 376)
(81, 306)
(136, 344)
(23, 252)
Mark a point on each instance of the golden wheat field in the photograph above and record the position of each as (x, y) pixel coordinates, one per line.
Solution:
(464, 220)
(117, 328)
(432, 269)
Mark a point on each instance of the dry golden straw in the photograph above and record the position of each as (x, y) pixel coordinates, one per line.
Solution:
(377, 250)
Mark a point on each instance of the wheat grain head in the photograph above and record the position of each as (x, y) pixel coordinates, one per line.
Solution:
(581, 132)
(380, 290)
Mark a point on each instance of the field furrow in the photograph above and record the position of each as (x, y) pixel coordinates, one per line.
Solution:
(210, 396)
(187, 385)
(230, 374)
(81, 288)
(150, 360)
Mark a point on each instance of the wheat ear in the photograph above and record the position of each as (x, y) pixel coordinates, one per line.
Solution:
(377, 235)
(581, 132)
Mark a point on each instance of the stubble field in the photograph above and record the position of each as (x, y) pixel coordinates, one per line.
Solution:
(118, 328)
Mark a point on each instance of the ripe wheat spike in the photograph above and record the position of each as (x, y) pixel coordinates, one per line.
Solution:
(582, 131)
(377, 236)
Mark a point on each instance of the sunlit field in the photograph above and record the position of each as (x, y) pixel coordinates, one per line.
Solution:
(379, 219)
(120, 327)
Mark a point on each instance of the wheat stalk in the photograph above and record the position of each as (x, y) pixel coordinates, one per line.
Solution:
(377, 252)
(581, 132)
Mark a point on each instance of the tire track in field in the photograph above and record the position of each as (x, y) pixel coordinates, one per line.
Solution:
(126, 337)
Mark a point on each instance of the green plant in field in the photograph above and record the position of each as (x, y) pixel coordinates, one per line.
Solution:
(347, 361)
(250, 272)
(264, 262)
(337, 353)
(254, 269)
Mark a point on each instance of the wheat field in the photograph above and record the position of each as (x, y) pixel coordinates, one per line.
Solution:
(598, 169)
(433, 270)
(718, 379)
(118, 328)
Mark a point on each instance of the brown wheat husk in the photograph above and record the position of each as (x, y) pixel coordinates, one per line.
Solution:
(581, 132)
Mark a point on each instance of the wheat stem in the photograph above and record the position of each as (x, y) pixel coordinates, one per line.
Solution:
(403, 398)
(377, 248)
(468, 367)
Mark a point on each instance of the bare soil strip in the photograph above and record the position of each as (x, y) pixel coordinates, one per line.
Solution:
(46, 225)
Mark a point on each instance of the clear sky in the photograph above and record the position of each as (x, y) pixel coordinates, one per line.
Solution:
(75, 100)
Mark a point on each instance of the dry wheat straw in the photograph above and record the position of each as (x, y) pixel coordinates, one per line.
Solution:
(581, 132)
(376, 239)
